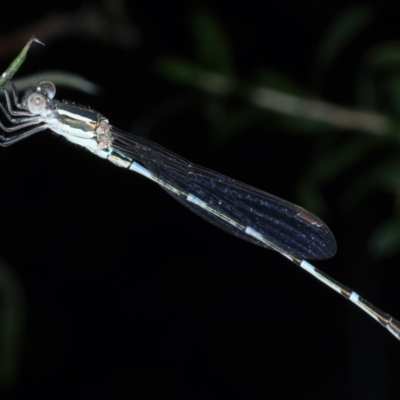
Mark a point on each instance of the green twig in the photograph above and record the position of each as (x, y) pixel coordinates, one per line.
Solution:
(16, 64)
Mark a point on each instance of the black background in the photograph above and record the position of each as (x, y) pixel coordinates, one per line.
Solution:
(128, 295)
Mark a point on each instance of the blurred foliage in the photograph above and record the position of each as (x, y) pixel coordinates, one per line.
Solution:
(377, 86)
(377, 91)
(341, 32)
(212, 44)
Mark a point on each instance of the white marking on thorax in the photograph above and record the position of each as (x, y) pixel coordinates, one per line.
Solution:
(74, 116)
(69, 131)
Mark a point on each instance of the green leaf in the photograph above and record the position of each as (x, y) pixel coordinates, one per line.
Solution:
(212, 44)
(177, 70)
(385, 175)
(16, 64)
(385, 241)
(392, 89)
(383, 58)
(338, 160)
(278, 81)
(181, 71)
(236, 121)
(303, 125)
(59, 78)
(341, 32)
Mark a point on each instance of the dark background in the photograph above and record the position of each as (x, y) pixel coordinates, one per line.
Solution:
(120, 292)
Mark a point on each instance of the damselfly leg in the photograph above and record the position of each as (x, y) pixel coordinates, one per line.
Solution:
(26, 120)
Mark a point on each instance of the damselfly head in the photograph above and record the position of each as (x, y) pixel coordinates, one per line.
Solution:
(35, 103)
(48, 88)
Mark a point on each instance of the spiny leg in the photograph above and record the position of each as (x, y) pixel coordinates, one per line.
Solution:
(7, 141)
(9, 106)
(20, 126)
(16, 102)
(18, 120)
(15, 97)
(20, 123)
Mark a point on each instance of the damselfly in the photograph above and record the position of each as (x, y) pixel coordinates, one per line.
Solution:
(237, 208)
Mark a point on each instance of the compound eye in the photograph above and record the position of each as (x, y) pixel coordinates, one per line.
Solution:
(36, 103)
(48, 88)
